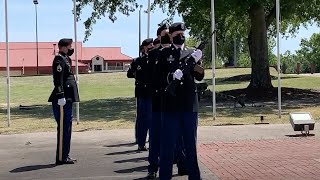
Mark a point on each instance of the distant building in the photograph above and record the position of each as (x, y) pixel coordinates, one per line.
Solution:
(23, 58)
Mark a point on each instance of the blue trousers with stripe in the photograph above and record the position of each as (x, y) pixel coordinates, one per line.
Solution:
(67, 128)
(154, 145)
(143, 119)
(175, 123)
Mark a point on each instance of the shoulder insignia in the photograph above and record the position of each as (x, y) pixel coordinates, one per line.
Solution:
(59, 68)
(139, 67)
(170, 58)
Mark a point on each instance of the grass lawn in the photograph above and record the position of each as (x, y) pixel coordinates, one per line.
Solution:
(107, 101)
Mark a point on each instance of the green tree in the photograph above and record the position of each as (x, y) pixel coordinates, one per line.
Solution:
(288, 63)
(252, 20)
(191, 42)
(310, 51)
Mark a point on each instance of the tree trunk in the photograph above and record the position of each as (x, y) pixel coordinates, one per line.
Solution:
(258, 47)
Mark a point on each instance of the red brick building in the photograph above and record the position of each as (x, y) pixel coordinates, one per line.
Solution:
(23, 58)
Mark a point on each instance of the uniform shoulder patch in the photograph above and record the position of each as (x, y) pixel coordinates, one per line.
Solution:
(139, 67)
(59, 68)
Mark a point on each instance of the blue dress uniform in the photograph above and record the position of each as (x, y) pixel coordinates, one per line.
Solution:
(180, 112)
(139, 69)
(155, 126)
(65, 87)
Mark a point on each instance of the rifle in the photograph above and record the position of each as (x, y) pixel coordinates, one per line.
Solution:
(171, 88)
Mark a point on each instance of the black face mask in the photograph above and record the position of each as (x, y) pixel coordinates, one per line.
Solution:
(178, 40)
(70, 52)
(165, 39)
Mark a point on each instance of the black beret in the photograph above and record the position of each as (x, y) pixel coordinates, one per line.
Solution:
(146, 42)
(156, 41)
(161, 28)
(65, 42)
(177, 27)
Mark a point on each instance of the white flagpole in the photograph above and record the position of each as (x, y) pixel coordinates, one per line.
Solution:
(76, 55)
(7, 59)
(213, 62)
(278, 55)
(148, 31)
(22, 66)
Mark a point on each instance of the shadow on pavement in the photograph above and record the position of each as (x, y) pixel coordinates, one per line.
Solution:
(120, 145)
(300, 135)
(136, 160)
(131, 170)
(124, 152)
(175, 175)
(32, 168)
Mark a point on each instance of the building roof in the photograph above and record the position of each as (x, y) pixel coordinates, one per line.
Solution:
(108, 53)
(25, 53)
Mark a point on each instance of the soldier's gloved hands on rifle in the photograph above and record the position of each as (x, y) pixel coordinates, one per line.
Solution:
(62, 101)
(177, 74)
(197, 54)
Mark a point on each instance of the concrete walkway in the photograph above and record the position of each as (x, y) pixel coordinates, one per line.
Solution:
(306, 74)
(110, 154)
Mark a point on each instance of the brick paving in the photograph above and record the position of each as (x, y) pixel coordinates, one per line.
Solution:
(289, 159)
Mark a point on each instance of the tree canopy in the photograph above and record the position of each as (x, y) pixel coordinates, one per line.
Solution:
(249, 21)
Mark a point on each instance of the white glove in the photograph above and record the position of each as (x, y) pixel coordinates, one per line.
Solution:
(197, 54)
(177, 74)
(62, 101)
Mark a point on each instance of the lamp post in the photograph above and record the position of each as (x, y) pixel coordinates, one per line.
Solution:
(35, 2)
(139, 28)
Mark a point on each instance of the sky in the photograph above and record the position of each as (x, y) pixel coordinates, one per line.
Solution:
(55, 21)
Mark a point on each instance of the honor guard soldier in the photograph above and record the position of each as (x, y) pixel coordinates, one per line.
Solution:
(155, 125)
(180, 109)
(157, 92)
(156, 43)
(139, 69)
(65, 92)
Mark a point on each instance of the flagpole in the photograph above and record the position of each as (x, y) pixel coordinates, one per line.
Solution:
(76, 55)
(278, 55)
(148, 31)
(213, 62)
(8, 64)
(23, 66)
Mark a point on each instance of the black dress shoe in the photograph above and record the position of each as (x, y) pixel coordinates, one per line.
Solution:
(182, 172)
(143, 148)
(71, 159)
(68, 161)
(151, 175)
